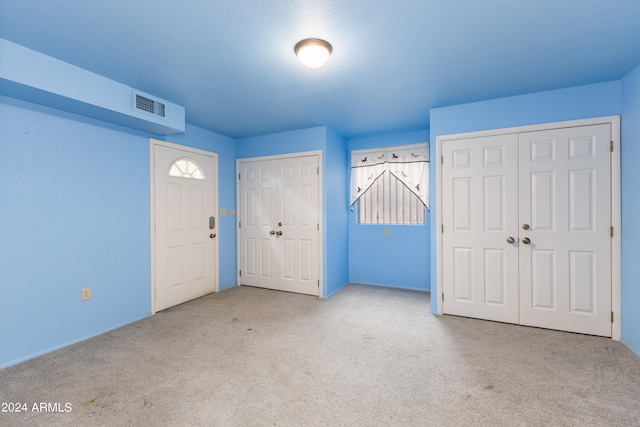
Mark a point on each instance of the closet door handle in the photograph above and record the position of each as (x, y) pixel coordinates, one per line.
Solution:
(272, 232)
(510, 240)
(278, 233)
(526, 240)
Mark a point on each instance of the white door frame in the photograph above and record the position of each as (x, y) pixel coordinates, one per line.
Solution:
(317, 153)
(152, 169)
(616, 219)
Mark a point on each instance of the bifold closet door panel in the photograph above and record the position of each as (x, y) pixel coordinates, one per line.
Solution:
(565, 213)
(258, 260)
(298, 212)
(480, 218)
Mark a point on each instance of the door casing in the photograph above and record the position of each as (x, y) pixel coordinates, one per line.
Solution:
(616, 221)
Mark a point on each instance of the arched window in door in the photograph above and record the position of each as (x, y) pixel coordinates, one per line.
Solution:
(186, 168)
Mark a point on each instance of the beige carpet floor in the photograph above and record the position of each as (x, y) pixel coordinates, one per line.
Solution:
(368, 356)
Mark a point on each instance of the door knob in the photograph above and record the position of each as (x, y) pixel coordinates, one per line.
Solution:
(525, 226)
(279, 233)
(510, 240)
(526, 240)
(280, 224)
(272, 232)
(212, 235)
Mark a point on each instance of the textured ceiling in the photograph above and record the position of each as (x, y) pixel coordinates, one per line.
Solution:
(231, 63)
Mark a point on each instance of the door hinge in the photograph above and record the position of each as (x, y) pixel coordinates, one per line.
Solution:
(443, 297)
(442, 228)
(318, 226)
(611, 231)
(318, 282)
(442, 160)
(238, 177)
(611, 146)
(612, 317)
(317, 170)
(240, 225)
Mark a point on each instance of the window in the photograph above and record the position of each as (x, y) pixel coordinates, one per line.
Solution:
(391, 184)
(186, 168)
(389, 201)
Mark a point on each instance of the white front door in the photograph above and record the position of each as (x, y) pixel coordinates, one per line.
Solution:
(565, 213)
(279, 224)
(480, 266)
(526, 228)
(185, 229)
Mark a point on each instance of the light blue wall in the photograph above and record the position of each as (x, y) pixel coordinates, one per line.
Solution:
(75, 213)
(295, 141)
(581, 102)
(400, 260)
(630, 152)
(69, 88)
(333, 164)
(336, 198)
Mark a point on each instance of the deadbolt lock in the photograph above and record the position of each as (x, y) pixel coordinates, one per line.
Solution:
(280, 224)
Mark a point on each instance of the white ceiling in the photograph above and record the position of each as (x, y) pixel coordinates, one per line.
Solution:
(231, 62)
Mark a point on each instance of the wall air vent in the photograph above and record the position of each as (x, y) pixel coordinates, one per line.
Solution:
(149, 105)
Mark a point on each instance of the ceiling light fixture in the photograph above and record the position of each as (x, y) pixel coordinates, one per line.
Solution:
(313, 53)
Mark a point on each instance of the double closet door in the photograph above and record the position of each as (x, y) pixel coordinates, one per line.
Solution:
(279, 228)
(526, 223)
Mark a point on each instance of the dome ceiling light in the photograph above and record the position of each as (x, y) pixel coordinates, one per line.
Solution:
(313, 53)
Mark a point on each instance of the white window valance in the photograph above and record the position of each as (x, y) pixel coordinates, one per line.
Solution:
(408, 163)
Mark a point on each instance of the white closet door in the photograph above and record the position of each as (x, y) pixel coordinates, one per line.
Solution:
(279, 217)
(565, 212)
(480, 214)
(298, 212)
(258, 262)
